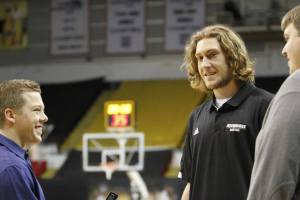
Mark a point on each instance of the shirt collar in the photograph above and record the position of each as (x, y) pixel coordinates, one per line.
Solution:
(237, 99)
(13, 147)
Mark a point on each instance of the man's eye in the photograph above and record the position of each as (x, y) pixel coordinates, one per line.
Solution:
(286, 38)
(212, 55)
(200, 58)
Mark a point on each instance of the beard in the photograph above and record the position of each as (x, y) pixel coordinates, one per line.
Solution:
(220, 81)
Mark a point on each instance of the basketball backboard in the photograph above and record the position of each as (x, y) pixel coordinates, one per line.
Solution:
(109, 152)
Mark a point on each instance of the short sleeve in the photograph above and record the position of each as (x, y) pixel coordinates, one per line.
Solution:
(186, 158)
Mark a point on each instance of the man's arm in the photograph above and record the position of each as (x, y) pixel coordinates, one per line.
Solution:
(186, 192)
(186, 159)
(277, 154)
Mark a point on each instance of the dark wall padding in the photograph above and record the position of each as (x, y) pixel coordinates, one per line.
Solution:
(66, 103)
(271, 84)
(65, 189)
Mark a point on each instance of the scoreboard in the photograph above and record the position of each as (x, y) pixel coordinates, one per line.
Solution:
(119, 115)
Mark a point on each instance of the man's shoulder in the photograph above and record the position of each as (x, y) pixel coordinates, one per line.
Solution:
(203, 106)
(289, 92)
(11, 170)
(7, 159)
(295, 75)
(262, 94)
(291, 84)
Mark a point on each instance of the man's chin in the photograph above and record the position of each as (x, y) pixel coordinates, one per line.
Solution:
(38, 137)
(211, 87)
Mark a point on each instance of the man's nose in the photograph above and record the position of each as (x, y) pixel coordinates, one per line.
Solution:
(205, 62)
(283, 52)
(44, 117)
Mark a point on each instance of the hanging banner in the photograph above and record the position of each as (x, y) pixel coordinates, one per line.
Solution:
(125, 26)
(13, 17)
(183, 18)
(69, 27)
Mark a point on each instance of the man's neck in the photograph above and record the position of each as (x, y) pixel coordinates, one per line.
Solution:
(227, 91)
(12, 136)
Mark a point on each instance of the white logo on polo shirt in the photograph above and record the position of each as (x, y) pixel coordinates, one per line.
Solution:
(236, 127)
(196, 131)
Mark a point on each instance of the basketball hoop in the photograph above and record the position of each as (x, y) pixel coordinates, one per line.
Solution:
(126, 154)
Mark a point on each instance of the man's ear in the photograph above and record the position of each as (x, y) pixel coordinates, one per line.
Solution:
(10, 115)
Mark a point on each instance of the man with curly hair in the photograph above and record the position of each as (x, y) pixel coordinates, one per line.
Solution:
(218, 153)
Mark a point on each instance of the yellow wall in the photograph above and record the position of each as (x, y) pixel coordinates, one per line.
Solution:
(162, 111)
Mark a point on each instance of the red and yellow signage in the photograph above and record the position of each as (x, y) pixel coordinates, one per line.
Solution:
(119, 115)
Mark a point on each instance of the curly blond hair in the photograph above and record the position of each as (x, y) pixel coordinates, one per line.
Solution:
(234, 50)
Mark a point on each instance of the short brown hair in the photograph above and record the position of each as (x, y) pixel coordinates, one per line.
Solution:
(11, 94)
(292, 17)
(233, 48)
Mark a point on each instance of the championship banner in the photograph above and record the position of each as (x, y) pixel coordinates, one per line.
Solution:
(13, 17)
(69, 27)
(183, 18)
(125, 26)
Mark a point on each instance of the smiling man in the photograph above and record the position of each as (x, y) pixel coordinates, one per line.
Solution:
(21, 122)
(218, 153)
(276, 168)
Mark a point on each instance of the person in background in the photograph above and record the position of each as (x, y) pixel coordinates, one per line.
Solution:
(22, 118)
(218, 153)
(277, 153)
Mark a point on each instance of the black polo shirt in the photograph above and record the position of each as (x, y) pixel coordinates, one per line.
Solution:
(218, 154)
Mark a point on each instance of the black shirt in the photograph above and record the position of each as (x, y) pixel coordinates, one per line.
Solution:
(218, 154)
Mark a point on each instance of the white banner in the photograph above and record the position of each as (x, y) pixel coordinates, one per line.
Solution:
(125, 26)
(183, 18)
(69, 27)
